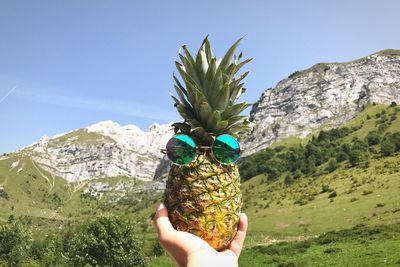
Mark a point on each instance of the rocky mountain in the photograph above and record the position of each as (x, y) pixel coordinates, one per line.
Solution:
(105, 149)
(323, 96)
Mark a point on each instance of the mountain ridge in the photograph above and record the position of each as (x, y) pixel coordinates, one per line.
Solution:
(104, 149)
(325, 95)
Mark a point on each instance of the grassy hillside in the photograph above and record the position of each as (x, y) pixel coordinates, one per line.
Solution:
(329, 207)
(361, 201)
(50, 203)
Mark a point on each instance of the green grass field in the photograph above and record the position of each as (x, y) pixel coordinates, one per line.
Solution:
(360, 246)
(301, 224)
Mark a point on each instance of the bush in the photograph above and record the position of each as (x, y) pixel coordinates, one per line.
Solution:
(332, 250)
(333, 194)
(332, 165)
(373, 138)
(4, 194)
(325, 188)
(367, 192)
(288, 179)
(387, 147)
(50, 251)
(341, 156)
(105, 241)
(273, 174)
(15, 242)
(395, 139)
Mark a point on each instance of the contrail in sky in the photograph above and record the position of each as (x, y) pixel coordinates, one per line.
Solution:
(8, 93)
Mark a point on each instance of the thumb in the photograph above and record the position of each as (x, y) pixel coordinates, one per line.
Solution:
(164, 228)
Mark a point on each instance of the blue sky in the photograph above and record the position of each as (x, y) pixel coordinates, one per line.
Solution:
(69, 64)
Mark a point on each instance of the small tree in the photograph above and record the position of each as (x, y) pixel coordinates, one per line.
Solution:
(395, 138)
(288, 179)
(273, 174)
(332, 165)
(106, 241)
(356, 156)
(15, 242)
(387, 146)
(373, 138)
(341, 156)
(50, 251)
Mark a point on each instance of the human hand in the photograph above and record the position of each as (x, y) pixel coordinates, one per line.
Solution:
(189, 250)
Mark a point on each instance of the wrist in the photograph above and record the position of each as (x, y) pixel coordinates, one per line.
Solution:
(212, 259)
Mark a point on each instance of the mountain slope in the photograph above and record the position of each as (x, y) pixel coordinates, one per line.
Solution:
(329, 198)
(105, 149)
(321, 97)
(50, 202)
(348, 215)
(325, 95)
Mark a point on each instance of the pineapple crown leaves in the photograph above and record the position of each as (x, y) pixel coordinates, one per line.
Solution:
(208, 94)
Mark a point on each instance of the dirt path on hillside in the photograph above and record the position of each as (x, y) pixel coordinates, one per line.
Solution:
(268, 241)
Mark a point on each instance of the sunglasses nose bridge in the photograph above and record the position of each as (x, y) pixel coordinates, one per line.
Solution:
(218, 150)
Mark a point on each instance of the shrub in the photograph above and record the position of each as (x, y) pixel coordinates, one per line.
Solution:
(356, 156)
(367, 192)
(332, 250)
(341, 156)
(273, 174)
(373, 138)
(387, 147)
(15, 242)
(288, 179)
(4, 194)
(325, 188)
(105, 241)
(333, 194)
(50, 251)
(332, 165)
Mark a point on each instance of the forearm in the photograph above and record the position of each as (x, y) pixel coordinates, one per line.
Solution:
(214, 259)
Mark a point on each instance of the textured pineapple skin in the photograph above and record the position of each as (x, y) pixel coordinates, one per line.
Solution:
(204, 199)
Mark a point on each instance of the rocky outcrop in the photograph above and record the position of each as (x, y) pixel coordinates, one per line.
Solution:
(105, 149)
(326, 95)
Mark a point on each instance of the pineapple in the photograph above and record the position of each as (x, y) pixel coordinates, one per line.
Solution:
(204, 197)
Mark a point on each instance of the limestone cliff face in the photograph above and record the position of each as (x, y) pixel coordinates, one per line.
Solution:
(326, 95)
(105, 149)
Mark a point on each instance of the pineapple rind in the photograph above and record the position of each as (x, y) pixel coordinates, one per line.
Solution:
(205, 199)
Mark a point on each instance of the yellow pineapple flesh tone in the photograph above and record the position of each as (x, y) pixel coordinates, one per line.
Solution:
(204, 199)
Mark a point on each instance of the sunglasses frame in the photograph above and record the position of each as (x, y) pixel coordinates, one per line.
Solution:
(205, 148)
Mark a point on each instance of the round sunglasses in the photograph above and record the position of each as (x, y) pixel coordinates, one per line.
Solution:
(182, 150)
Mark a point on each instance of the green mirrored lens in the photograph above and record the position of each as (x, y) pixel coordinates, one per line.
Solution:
(226, 149)
(181, 149)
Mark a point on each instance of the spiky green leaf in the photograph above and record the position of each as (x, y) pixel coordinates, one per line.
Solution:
(213, 120)
(234, 110)
(222, 99)
(229, 54)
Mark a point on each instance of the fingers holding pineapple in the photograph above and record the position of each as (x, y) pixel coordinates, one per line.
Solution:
(237, 242)
(189, 250)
